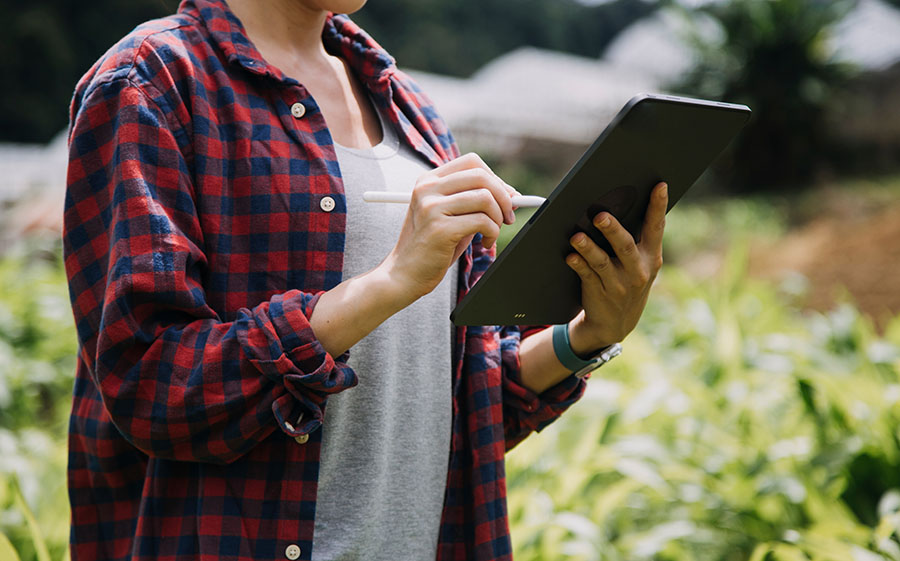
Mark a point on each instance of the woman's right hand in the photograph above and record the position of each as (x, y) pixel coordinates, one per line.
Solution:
(450, 204)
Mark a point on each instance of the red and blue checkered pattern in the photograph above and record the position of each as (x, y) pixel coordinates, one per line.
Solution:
(196, 250)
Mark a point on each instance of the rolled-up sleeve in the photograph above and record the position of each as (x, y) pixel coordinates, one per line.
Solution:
(525, 411)
(176, 379)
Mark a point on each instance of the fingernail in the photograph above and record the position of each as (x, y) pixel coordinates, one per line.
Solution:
(510, 217)
(604, 222)
(664, 190)
(580, 240)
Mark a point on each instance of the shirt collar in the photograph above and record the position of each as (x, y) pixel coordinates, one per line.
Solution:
(340, 35)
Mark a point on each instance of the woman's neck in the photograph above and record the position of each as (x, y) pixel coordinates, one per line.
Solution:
(287, 27)
(288, 34)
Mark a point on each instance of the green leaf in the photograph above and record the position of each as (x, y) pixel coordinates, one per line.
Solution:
(40, 545)
(785, 552)
(760, 552)
(7, 551)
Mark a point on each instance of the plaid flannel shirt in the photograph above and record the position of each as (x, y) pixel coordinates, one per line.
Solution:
(196, 244)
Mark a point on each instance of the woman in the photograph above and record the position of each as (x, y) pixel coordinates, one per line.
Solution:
(221, 266)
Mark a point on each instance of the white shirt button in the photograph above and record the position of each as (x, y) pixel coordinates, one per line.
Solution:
(301, 438)
(298, 110)
(292, 552)
(326, 204)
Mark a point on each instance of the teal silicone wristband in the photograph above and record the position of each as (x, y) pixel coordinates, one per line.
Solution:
(563, 349)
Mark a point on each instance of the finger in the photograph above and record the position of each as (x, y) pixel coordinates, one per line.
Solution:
(459, 227)
(596, 258)
(478, 178)
(655, 219)
(462, 245)
(469, 202)
(464, 162)
(470, 161)
(473, 161)
(588, 276)
(621, 241)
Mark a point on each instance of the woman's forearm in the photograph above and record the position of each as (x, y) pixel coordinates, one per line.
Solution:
(353, 309)
(540, 369)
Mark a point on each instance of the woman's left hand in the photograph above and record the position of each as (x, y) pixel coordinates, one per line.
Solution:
(614, 289)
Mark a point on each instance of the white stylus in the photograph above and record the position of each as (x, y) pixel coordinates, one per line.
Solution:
(518, 201)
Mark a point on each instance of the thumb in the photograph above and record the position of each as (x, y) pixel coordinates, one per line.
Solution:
(461, 247)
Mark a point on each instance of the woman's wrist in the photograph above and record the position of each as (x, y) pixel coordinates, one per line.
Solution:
(351, 310)
(583, 338)
(393, 287)
(406, 278)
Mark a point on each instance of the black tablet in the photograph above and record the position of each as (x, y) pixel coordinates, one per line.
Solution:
(653, 138)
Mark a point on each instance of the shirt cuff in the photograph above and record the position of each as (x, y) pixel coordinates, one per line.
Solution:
(298, 360)
(536, 410)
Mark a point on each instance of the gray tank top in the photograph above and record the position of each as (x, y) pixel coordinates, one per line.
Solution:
(386, 442)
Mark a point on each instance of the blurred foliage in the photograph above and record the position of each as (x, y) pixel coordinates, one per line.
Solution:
(771, 55)
(736, 426)
(49, 44)
(464, 35)
(714, 225)
(37, 338)
(733, 427)
(37, 368)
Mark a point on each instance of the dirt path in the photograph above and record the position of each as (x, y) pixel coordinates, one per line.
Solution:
(851, 249)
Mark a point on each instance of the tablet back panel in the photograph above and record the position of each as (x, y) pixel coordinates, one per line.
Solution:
(653, 139)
